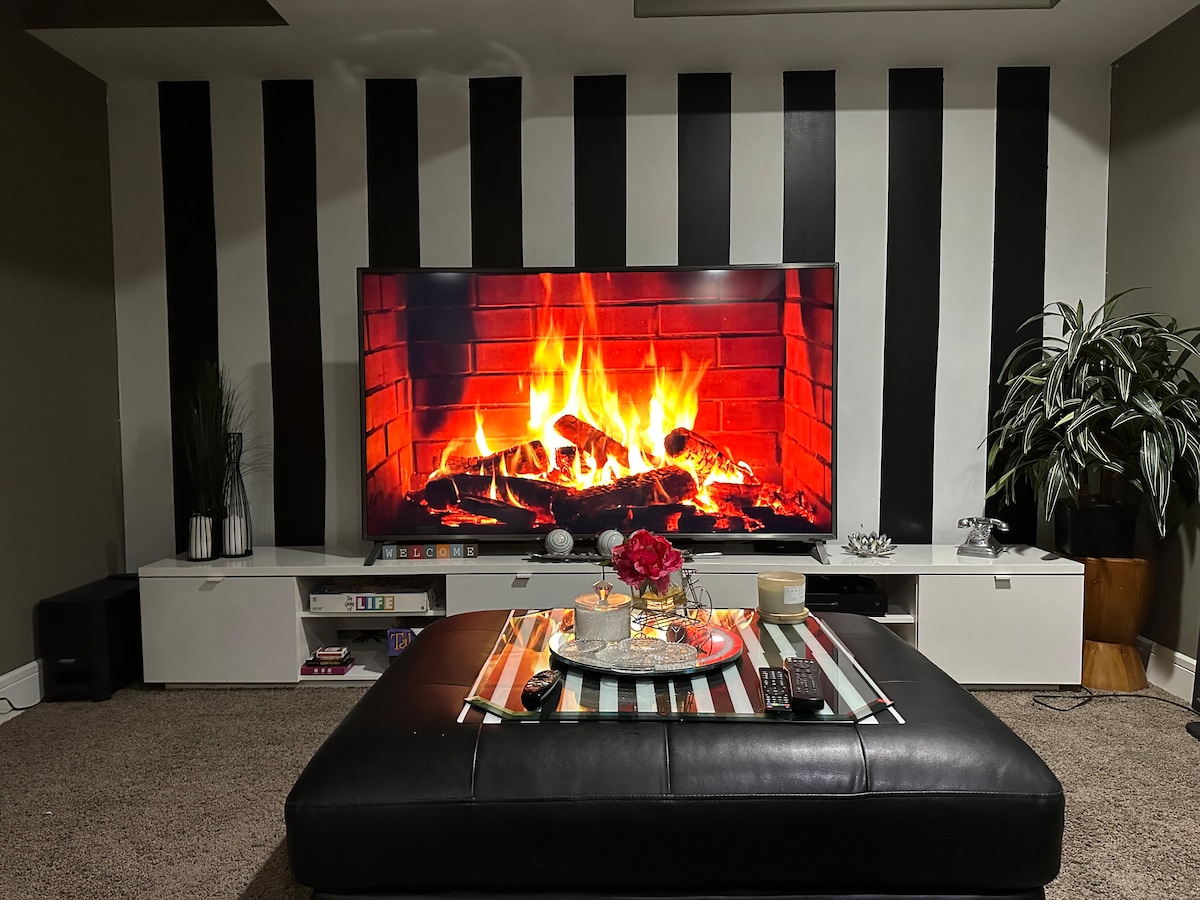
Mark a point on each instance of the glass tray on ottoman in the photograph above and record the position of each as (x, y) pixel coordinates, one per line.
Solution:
(725, 691)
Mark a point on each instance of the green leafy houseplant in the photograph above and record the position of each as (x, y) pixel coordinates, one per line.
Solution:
(1103, 414)
(214, 411)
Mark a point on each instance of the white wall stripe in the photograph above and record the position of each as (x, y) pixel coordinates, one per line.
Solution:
(1076, 196)
(862, 165)
(652, 178)
(756, 168)
(340, 106)
(968, 213)
(548, 170)
(444, 151)
(1077, 185)
(243, 326)
(141, 305)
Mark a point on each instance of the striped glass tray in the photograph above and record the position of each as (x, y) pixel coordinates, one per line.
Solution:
(728, 692)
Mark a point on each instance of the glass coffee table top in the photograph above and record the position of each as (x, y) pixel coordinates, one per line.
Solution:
(726, 692)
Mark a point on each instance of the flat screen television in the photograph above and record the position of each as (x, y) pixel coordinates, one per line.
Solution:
(696, 403)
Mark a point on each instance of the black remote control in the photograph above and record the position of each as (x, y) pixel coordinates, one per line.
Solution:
(540, 688)
(776, 690)
(805, 676)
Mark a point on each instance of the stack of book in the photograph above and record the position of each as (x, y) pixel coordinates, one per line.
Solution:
(328, 661)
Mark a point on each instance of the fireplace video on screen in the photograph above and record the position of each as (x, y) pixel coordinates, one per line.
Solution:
(687, 402)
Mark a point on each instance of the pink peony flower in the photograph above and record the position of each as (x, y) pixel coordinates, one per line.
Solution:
(646, 558)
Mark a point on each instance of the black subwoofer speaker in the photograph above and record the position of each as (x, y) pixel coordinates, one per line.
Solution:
(90, 639)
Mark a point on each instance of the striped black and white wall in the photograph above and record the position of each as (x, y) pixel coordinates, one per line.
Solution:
(955, 201)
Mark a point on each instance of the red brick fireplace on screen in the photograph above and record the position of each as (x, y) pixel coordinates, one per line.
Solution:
(448, 366)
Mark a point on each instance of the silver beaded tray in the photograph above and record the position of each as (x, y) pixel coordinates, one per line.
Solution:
(693, 647)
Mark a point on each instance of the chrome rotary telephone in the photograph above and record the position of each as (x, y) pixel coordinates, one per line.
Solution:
(980, 540)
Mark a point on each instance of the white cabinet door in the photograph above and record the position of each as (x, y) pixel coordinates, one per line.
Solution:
(730, 590)
(534, 589)
(232, 630)
(537, 589)
(1003, 630)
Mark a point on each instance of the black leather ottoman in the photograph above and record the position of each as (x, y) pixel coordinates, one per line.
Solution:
(403, 801)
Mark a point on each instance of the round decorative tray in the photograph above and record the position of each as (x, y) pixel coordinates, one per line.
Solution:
(702, 646)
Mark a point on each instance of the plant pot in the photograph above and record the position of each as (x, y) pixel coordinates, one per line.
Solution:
(1096, 530)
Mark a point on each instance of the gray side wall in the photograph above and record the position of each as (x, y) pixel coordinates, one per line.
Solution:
(1153, 226)
(60, 454)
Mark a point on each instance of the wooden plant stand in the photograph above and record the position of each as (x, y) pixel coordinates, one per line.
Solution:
(1116, 600)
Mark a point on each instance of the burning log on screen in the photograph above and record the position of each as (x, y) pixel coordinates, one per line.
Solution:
(737, 496)
(752, 499)
(502, 512)
(592, 440)
(523, 459)
(446, 492)
(660, 486)
(688, 446)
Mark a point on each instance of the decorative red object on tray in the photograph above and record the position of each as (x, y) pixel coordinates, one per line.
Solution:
(646, 558)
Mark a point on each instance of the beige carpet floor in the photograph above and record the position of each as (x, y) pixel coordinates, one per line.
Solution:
(179, 794)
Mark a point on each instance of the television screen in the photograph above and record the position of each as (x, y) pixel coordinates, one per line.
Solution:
(691, 402)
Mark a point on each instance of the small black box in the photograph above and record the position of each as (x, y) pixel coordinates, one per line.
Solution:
(90, 639)
(844, 593)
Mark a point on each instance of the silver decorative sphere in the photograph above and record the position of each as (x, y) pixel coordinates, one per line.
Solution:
(559, 542)
(607, 541)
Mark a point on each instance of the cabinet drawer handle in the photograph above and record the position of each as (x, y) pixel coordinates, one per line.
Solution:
(214, 579)
(521, 579)
(1003, 582)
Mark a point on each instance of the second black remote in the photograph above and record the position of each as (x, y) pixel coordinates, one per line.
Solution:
(805, 674)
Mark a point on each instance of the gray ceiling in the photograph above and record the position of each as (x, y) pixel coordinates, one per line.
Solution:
(408, 38)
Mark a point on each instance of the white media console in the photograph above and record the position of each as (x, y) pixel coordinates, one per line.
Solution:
(1014, 620)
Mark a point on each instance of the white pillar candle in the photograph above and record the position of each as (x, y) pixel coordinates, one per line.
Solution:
(234, 535)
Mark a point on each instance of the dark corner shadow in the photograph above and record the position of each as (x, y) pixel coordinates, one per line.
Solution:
(274, 880)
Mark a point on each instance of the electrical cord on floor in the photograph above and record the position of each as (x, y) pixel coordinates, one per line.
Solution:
(1040, 700)
(14, 708)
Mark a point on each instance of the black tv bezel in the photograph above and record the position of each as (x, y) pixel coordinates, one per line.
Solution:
(528, 536)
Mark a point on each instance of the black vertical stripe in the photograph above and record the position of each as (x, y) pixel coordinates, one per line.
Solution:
(496, 235)
(190, 259)
(294, 308)
(393, 207)
(809, 166)
(599, 171)
(911, 303)
(1019, 266)
(705, 120)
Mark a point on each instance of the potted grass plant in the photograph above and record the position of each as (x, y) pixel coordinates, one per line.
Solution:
(214, 412)
(1102, 421)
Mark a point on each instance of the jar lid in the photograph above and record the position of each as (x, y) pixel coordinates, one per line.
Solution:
(782, 577)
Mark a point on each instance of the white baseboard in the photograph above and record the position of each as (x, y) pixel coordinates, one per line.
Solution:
(1168, 669)
(23, 686)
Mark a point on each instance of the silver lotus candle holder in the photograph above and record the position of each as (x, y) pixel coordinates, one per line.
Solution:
(867, 544)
